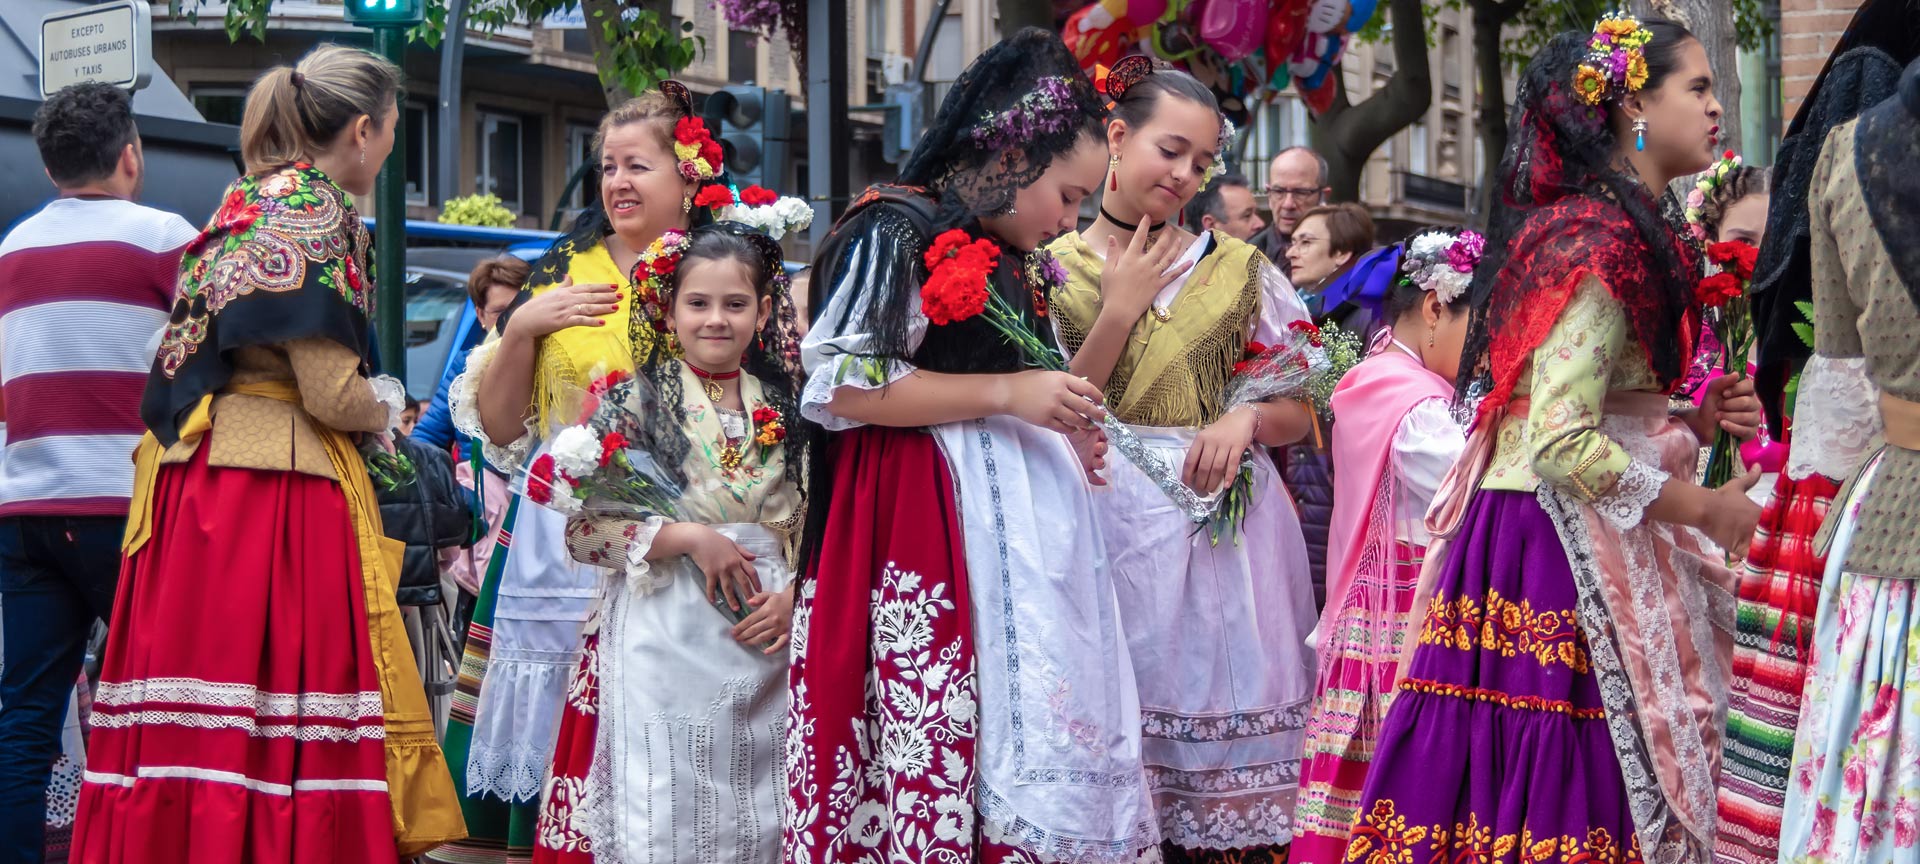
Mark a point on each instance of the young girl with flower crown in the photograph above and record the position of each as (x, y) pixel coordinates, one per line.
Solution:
(670, 742)
(1217, 627)
(1398, 438)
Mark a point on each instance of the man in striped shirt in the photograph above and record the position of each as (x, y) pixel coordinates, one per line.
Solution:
(84, 285)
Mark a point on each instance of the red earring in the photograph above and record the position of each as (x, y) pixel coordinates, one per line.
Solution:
(1113, 173)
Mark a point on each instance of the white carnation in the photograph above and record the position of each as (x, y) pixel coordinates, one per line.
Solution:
(576, 450)
(564, 501)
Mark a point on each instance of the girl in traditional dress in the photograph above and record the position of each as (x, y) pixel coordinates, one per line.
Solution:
(960, 694)
(571, 321)
(1829, 420)
(1566, 685)
(1399, 438)
(670, 746)
(1216, 629)
(1855, 789)
(258, 700)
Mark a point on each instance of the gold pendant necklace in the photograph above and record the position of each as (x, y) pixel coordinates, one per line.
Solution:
(712, 387)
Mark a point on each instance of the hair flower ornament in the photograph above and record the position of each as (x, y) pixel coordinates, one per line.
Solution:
(700, 156)
(1442, 262)
(650, 275)
(1703, 188)
(1616, 61)
(1048, 109)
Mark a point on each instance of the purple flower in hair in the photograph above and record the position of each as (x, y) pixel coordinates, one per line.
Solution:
(1047, 110)
(1464, 254)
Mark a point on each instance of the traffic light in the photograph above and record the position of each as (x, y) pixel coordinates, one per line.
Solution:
(752, 125)
(385, 13)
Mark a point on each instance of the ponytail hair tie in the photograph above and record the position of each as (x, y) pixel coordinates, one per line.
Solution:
(299, 80)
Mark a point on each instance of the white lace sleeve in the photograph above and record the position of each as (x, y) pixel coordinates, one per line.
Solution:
(388, 391)
(463, 397)
(835, 352)
(1625, 505)
(1280, 305)
(1836, 416)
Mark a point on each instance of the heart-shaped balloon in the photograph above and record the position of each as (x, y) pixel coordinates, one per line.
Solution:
(1234, 27)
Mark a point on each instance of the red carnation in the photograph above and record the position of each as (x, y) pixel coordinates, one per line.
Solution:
(1255, 349)
(1736, 256)
(945, 245)
(758, 196)
(762, 416)
(714, 196)
(611, 446)
(1717, 289)
(711, 154)
(1240, 368)
(1727, 155)
(663, 265)
(1308, 329)
(540, 479)
(690, 130)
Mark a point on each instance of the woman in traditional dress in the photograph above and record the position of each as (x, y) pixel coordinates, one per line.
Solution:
(1566, 687)
(960, 694)
(258, 700)
(1855, 790)
(1216, 627)
(670, 747)
(1399, 439)
(1780, 585)
(571, 324)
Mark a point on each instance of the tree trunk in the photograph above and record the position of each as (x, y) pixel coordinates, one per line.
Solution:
(600, 12)
(1015, 14)
(1712, 22)
(1346, 134)
(1489, 18)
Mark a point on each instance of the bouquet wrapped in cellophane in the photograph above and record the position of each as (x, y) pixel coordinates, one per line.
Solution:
(590, 466)
(1306, 367)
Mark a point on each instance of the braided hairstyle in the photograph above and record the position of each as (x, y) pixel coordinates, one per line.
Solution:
(1562, 147)
(1739, 184)
(773, 356)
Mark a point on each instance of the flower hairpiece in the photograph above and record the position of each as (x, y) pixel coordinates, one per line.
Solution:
(1048, 109)
(1442, 263)
(1616, 61)
(768, 212)
(656, 265)
(1221, 147)
(1710, 181)
(700, 156)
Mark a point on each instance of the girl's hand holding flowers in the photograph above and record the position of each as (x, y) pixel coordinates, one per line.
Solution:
(771, 623)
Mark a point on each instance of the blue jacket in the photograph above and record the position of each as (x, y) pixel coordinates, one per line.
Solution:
(436, 422)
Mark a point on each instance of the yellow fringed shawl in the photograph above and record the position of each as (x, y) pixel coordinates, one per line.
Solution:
(1173, 372)
(570, 359)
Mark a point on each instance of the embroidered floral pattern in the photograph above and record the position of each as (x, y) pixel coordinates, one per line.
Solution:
(267, 230)
(1507, 627)
(1384, 837)
(559, 827)
(904, 791)
(1504, 700)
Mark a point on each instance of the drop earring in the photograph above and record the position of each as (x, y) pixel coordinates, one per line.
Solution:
(1640, 133)
(1431, 336)
(1113, 173)
(363, 155)
(686, 205)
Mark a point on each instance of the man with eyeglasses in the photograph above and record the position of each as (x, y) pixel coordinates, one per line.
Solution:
(1296, 183)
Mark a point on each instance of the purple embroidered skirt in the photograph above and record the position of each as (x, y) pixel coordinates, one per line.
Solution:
(1497, 742)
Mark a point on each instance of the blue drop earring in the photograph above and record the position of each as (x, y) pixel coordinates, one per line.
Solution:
(1640, 134)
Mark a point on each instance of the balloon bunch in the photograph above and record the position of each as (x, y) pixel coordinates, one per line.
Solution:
(1246, 50)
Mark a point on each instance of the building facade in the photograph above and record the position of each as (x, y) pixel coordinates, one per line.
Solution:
(530, 94)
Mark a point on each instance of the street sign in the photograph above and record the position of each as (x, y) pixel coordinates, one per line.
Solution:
(385, 13)
(111, 42)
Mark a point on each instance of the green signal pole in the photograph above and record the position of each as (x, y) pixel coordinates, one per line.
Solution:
(390, 237)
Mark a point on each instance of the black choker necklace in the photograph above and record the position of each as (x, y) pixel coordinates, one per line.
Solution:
(1129, 227)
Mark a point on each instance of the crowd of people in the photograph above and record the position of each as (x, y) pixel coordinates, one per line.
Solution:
(1002, 534)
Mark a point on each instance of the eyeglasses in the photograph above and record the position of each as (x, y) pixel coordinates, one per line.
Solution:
(1281, 194)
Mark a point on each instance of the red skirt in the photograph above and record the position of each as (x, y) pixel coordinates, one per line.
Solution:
(883, 667)
(239, 715)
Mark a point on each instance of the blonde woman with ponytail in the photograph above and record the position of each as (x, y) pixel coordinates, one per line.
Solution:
(258, 699)
(570, 324)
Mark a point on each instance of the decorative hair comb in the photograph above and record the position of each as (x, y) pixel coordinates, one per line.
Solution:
(681, 96)
(1616, 61)
(1130, 70)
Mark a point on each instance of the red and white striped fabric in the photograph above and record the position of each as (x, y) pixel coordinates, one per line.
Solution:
(84, 285)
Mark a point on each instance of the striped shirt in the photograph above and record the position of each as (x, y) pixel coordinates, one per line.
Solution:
(84, 286)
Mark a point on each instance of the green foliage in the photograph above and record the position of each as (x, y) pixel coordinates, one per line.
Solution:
(484, 211)
(641, 51)
(1804, 328)
(1538, 20)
